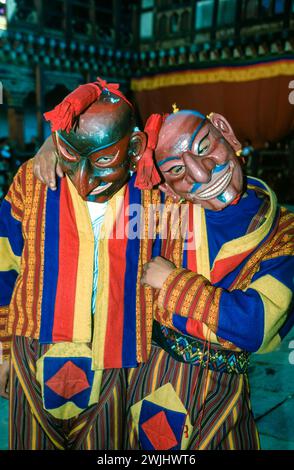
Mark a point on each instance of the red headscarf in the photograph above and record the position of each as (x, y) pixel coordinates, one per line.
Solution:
(147, 174)
(63, 116)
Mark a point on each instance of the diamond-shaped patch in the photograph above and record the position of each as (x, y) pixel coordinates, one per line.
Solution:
(68, 381)
(159, 432)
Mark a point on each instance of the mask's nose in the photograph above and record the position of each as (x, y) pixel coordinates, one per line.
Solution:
(198, 169)
(83, 179)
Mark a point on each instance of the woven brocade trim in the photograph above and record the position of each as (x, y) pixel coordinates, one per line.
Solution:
(193, 351)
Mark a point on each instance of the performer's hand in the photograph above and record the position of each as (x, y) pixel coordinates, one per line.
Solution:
(46, 164)
(4, 379)
(156, 272)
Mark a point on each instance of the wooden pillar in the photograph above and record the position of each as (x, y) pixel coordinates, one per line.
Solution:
(40, 102)
(92, 18)
(136, 27)
(238, 18)
(192, 21)
(287, 14)
(40, 13)
(15, 124)
(68, 20)
(116, 12)
(214, 20)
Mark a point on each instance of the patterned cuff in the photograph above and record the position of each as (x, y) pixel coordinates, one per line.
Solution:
(189, 295)
(174, 294)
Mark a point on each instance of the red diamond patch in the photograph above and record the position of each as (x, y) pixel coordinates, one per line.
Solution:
(159, 432)
(68, 381)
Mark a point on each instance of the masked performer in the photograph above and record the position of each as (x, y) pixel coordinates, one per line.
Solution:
(223, 289)
(224, 292)
(68, 275)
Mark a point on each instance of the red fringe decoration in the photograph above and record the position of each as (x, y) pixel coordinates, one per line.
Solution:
(63, 116)
(147, 174)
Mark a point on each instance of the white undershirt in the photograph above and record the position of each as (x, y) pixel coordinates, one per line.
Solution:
(97, 213)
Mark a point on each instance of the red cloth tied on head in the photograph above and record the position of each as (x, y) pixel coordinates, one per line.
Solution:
(147, 174)
(113, 88)
(63, 116)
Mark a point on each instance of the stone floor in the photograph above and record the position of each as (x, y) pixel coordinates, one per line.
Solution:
(3, 423)
(272, 392)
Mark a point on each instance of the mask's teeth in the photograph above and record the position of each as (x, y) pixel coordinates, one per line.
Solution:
(218, 188)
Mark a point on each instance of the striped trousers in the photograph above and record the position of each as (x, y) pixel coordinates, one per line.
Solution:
(218, 405)
(100, 426)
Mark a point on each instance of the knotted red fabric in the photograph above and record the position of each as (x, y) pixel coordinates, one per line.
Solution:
(113, 88)
(147, 174)
(63, 116)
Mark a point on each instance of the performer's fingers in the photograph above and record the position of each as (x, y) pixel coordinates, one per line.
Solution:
(51, 178)
(37, 173)
(59, 171)
(40, 175)
(145, 267)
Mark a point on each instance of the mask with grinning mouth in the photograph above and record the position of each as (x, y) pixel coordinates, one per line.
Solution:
(197, 158)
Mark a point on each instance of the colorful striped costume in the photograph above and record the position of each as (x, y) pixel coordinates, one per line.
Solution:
(230, 294)
(235, 275)
(232, 289)
(46, 277)
(46, 269)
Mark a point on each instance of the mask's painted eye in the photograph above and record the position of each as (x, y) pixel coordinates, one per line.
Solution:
(176, 170)
(104, 159)
(204, 146)
(68, 154)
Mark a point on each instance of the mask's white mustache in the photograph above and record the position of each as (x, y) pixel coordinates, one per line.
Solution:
(99, 189)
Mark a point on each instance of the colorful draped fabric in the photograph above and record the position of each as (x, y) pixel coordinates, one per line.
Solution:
(46, 271)
(234, 282)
